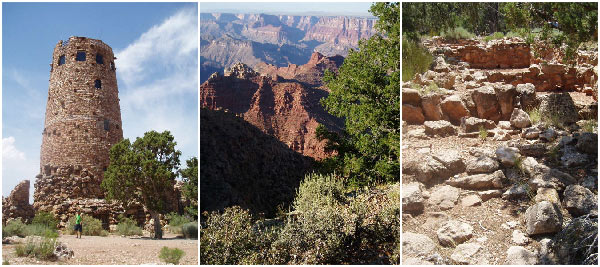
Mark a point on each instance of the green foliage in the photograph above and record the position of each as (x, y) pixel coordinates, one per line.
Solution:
(190, 230)
(494, 36)
(590, 126)
(140, 172)
(5, 262)
(176, 221)
(128, 227)
(432, 87)
(483, 133)
(326, 227)
(45, 218)
(457, 33)
(171, 255)
(41, 230)
(14, 228)
(91, 226)
(190, 188)
(227, 238)
(415, 59)
(535, 115)
(366, 93)
(42, 250)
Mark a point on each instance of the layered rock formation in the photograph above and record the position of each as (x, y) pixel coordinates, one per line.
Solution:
(284, 108)
(241, 165)
(276, 39)
(16, 205)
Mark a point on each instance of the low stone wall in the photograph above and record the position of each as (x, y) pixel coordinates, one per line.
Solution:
(16, 205)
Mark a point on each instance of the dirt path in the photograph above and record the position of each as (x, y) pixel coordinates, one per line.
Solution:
(113, 250)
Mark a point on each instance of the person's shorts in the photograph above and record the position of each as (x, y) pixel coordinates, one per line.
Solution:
(78, 227)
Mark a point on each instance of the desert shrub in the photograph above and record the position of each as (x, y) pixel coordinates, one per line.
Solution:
(577, 243)
(457, 33)
(45, 218)
(190, 230)
(14, 228)
(432, 87)
(226, 238)
(494, 36)
(483, 133)
(590, 126)
(90, 225)
(176, 221)
(41, 249)
(534, 115)
(171, 255)
(415, 59)
(128, 226)
(41, 230)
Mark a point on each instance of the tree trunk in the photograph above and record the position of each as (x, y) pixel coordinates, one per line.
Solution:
(157, 226)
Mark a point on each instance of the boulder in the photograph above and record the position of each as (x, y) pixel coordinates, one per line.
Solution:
(411, 97)
(579, 200)
(505, 125)
(547, 194)
(548, 135)
(587, 143)
(444, 197)
(527, 96)
(559, 104)
(466, 254)
(519, 238)
(519, 118)
(439, 128)
(506, 94)
(543, 218)
(479, 181)
(481, 164)
(517, 255)
(416, 244)
(507, 155)
(412, 199)
(472, 124)
(572, 158)
(451, 159)
(531, 133)
(486, 103)
(515, 192)
(454, 108)
(471, 200)
(453, 233)
(489, 194)
(430, 104)
(412, 114)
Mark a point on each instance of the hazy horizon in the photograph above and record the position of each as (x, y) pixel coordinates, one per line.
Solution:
(354, 9)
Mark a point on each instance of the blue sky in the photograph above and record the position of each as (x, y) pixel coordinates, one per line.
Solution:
(291, 8)
(156, 45)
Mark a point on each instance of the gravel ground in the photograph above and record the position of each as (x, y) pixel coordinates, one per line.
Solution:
(113, 250)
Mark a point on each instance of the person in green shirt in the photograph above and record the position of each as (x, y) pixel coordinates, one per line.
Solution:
(78, 228)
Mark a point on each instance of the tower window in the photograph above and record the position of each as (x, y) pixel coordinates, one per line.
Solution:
(98, 84)
(61, 60)
(80, 56)
(99, 59)
(112, 66)
(106, 125)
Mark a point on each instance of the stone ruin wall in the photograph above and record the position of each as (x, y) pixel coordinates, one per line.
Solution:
(496, 56)
(16, 205)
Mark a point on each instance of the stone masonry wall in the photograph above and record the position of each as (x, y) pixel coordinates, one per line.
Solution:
(497, 54)
(82, 120)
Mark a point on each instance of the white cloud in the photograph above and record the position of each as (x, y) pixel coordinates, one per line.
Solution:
(158, 81)
(9, 150)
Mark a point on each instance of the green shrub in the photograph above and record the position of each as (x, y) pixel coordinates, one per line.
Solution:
(415, 59)
(42, 249)
(190, 230)
(457, 33)
(590, 126)
(494, 36)
(319, 190)
(45, 218)
(90, 225)
(14, 228)
(432, 87)
(41, 230)
(171, 255)
(176, 221)
(128, 227)
(534, 115)
(483, 133)
(226, 238)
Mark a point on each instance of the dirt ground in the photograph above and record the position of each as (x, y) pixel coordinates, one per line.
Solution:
(113, 250)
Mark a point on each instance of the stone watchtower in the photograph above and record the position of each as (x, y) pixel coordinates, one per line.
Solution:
(83, 120)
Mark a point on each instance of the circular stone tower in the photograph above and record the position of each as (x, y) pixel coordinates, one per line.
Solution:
(83, 120)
